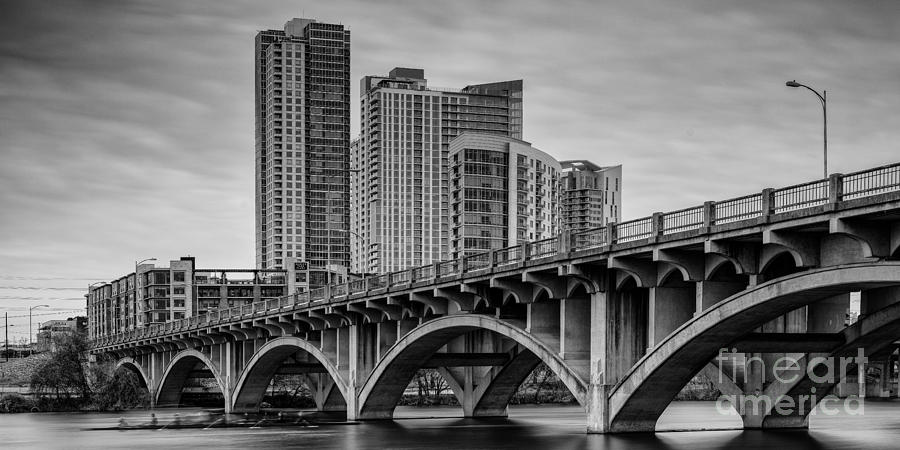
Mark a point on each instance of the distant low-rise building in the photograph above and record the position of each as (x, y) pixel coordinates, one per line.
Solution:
(181, 290)
(50, 331)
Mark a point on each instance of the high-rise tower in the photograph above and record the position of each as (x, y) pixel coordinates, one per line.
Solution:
(591, 195)
(303, 149)
(400, 199)
(503, 192)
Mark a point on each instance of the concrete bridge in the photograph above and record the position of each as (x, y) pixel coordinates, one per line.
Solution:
(625, 315)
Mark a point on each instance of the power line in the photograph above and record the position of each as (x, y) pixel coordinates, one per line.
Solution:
(11, 277)
(45, 288)
(56, 313)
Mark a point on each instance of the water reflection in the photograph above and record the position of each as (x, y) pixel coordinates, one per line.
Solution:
(527, 427)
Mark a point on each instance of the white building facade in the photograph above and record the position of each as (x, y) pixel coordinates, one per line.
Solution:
(504, 192)
(400, 214)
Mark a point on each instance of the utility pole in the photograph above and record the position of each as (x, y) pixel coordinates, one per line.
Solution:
(6, 345)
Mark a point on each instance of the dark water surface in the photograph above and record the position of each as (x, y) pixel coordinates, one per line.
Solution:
(554, 427)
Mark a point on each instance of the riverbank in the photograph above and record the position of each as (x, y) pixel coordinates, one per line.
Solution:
(18, 371)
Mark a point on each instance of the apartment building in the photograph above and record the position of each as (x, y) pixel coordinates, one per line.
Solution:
(400, 196)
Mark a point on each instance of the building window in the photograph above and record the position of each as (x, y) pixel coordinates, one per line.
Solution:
(178, 277)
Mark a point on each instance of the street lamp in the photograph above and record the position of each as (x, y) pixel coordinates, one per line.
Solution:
(30, 341)
(359, 239)
(89, 299)
(136, 264)
(6, 344)
(823, 98)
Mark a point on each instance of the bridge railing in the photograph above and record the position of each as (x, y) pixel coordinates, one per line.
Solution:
(542, 249)
(586, 239)
(683, 220)
(477, 261)
(423, 273)
(879, 180)
(400, 278)
(509, 255)
(800, 196)
(447, 269)
(318, 294)
(357, 286)
(836, 188)
(736, 209)
(378, 282)
(633, 230)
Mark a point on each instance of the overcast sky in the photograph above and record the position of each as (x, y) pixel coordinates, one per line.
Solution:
(126, 128)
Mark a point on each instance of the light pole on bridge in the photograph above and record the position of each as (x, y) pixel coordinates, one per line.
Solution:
(359, 239)
(89, 304)
(823, 99)
(136, 284)
(30, 335)
(6, 344)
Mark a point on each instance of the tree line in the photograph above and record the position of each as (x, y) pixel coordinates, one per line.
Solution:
(66, 381)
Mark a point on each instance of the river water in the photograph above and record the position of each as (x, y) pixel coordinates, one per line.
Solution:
(528, 427)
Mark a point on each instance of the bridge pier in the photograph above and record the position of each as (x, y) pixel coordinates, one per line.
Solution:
(598, 417)
(602, 374)
(627, 338)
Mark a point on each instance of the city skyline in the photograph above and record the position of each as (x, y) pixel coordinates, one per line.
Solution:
(674, 104)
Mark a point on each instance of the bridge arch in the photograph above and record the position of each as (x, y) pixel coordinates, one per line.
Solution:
(130, 364)
(254, 378)
(778, 262)
(640, 397)
(178, 371)
(725, 269)
(628, 280)
(673, 275)
(873, 333)
(390, 377)
(578, 290)
(541, 294)
(578, 286)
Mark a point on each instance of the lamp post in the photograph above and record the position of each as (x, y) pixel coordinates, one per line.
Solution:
(6, 344)
(359, 238)
(90, 309)
(136, 290)
(138, 263)
(30, 341)
(823, 99)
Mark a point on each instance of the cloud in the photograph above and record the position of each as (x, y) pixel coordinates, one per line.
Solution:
(126, 128)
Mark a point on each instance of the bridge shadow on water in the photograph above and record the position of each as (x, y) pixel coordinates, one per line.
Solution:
(561, 427)
(528, 427)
